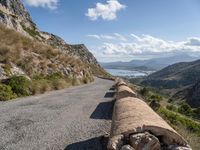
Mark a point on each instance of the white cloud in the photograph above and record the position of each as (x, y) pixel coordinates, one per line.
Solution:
(193, 41)
(149, 45)
(51, 4)
(115, 36)
(120, 37)
(94, 36)
(108, 37)
(106, 11)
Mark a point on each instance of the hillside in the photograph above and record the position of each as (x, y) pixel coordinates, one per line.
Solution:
(41, 60)
(14, 15)
(190, 94)
(175, 76)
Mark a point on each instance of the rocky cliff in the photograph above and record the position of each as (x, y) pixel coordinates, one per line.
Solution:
(14, 15)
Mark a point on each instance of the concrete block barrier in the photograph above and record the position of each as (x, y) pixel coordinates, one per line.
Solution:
(135, 125)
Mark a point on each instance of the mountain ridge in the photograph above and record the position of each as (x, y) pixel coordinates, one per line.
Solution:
(14, 15)
(33, 61)
(180, 80)
(149, 64)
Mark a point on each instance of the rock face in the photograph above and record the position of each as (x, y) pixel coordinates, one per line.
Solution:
(14, 15)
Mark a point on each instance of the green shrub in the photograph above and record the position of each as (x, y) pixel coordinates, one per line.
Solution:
(196, 112)
(178, 120)
(172, 108)
(185, 109)
(54, 76)
(6, 92)
(144, 91)
(20, 85)
(7, 69)
(157, 98)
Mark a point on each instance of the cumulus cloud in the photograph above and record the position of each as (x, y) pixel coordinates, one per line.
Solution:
(149, 45)
(193, 41)
(51, 4)
(106, 11)
(115, 36)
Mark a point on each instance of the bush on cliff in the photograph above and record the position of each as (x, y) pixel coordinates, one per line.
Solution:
(20, 85)
(6, 92)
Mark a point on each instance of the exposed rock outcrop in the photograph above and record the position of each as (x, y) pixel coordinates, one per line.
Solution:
(14, 15)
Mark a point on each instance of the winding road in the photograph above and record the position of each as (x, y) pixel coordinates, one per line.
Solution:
(69, 119)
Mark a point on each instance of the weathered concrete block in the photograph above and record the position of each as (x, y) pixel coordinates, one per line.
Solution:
(115, 143)
(144, 141)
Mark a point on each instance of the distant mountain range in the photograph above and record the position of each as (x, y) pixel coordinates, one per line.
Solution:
(151, 64)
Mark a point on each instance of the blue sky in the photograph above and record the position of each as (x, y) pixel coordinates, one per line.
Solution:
(123, 29)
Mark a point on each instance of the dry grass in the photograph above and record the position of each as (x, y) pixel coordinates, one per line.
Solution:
(187, 127)
(32, 56)
(39, 59)
(191, 138)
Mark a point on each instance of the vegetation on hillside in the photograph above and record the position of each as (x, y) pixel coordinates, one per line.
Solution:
(44, 67)
(175, 76)
(184, 119)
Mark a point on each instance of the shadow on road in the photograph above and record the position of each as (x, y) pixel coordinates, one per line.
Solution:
(112, 89)
(103, 111)
(98, 143)
(109, 95)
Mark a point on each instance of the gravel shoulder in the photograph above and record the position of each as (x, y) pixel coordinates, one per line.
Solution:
(69, 119)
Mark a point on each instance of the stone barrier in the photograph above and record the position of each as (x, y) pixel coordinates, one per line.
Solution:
(136, 126)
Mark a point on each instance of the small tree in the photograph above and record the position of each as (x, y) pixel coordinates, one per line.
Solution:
(171, 107)
(6, 92)
(20, 85)
(144, 91)
(157, 98)
(185, 109)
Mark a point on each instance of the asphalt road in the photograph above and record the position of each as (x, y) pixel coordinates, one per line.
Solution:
(70, 119)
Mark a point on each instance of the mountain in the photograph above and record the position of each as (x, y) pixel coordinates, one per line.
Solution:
(14, 15)
(44, 52)
(151, 64)
(175, 76)
(33, 61)
(190, 94)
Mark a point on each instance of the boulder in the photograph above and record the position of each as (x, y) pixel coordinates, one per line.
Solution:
(144, 141)
(116, 142)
